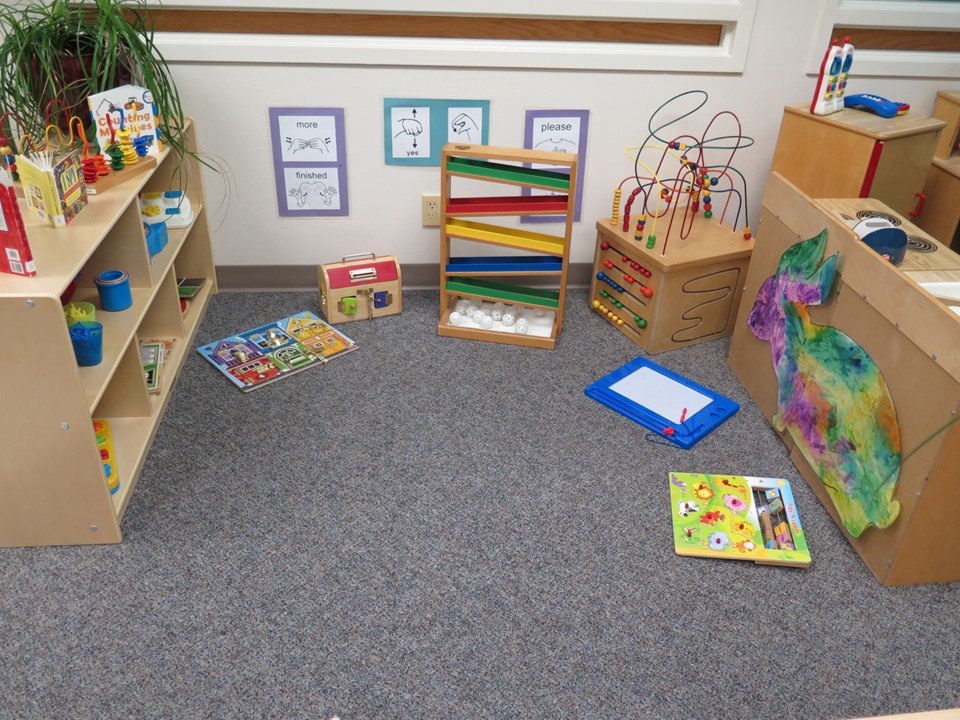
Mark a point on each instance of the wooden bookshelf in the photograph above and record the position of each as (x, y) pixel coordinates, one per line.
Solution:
(53, 488)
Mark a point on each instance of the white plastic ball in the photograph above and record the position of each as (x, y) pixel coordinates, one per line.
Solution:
(472, 311)
(508, 319)
(456, 318)
(486, 322)
(461, 306)
(520, 326)
(496, 313)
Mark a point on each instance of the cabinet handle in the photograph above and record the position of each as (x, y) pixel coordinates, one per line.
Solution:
(921, 200)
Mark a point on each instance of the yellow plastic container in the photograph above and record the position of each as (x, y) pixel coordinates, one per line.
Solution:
(79, 311)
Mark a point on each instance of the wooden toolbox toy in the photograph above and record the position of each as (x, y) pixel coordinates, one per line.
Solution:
(360, 287)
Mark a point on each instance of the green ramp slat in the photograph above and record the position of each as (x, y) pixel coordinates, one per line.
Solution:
(504, 291)
(513, 173)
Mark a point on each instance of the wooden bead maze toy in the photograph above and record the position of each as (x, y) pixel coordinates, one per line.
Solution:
(670, 290)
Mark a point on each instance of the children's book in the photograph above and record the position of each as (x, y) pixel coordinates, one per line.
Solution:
(128, 106)
(151, 357)
(154, 352)
(15, 254)
(53, 186)
(188, 288)
(737, 518)
(270, 352)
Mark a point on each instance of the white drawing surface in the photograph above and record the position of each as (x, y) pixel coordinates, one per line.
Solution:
(316, 188)
(308, 138)
(410, 130)
(465, 124)
(661, 394)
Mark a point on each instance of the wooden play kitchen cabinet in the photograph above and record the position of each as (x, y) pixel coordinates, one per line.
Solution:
(941, 218)
(903, 318)
(53, 485)
(853, 153)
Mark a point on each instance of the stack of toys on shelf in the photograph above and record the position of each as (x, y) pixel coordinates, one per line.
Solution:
(469, 296)
(673, 286)
(57, 177)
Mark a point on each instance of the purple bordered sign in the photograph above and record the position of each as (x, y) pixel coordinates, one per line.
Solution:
(560, 131)
(310, 161)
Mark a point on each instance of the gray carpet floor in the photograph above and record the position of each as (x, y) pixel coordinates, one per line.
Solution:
(437, 528)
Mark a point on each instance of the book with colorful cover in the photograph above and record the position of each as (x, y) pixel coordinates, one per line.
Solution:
(154, 353)
(129, 106)
(53, 186)
(15, 254)
(151, 357)
(735, 517)
(276, 350)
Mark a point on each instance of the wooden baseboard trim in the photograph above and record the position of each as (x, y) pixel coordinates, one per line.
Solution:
(260, 278)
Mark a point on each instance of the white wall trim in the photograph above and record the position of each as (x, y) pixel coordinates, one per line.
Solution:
(737, 17)
(907, 15)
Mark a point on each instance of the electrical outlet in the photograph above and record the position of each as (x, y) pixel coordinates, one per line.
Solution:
(430, 210)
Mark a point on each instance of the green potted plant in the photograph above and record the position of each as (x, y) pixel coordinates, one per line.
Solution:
(69, 49)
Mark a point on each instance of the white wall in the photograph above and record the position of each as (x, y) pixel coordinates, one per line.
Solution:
(230, 101)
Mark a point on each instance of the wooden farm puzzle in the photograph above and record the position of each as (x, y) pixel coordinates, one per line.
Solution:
(736, 518)
(256, 357)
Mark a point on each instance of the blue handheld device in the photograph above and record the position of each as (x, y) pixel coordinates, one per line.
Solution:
(875, 104)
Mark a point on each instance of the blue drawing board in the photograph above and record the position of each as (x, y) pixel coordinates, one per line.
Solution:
(669, 404)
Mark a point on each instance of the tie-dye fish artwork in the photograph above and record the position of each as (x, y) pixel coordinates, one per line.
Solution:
(831, 398)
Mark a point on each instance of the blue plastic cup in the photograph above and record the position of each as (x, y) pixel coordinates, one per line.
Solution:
(157, 237)
(87, 339)
(114, 289)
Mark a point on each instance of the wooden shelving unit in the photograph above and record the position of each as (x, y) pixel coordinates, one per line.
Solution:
(53, 488)
(852, 153)
(482, 278)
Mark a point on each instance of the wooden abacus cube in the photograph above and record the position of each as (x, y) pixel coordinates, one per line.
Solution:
(663, 302)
